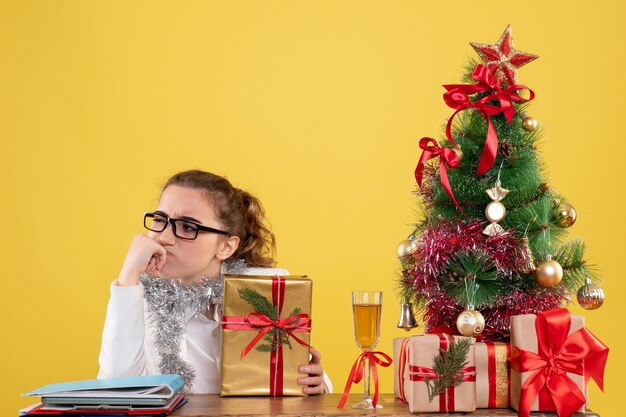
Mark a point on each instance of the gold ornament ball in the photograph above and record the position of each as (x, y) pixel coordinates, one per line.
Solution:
(470, 323)
(549, 273)
(530, 123)
(565, 215)
(458, 152)
(405, 251)
(590, 296)
(406, 248)
(495, 211)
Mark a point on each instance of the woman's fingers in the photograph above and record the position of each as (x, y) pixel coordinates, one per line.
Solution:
(157, 260)
(312, 370)
(314, 383)
(152, 264)
(313, 390)
(161, 257)
(316, 356)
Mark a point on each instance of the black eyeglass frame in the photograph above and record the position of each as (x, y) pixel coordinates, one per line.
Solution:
(172, 221)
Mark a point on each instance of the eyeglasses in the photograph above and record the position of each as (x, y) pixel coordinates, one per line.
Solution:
(184, 229)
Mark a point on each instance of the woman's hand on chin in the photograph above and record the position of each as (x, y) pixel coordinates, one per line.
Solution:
(144, 255)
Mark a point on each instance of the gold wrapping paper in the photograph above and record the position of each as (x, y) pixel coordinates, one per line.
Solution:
(422, 351)
(524, 336)
(397, 365)
(494, 393)
(251, 375)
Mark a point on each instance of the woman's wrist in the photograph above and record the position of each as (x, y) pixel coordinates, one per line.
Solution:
(127, 279)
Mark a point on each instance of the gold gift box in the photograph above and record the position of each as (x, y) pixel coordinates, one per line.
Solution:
(250, 375)
(492, 375)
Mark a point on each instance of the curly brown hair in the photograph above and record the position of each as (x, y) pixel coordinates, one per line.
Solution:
(240, 212)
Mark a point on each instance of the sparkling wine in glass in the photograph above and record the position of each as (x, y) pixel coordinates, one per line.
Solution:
(366, 311)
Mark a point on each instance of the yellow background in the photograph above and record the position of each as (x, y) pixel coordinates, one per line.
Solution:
(317, 107)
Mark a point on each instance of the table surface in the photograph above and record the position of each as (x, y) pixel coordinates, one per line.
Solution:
(318, 405)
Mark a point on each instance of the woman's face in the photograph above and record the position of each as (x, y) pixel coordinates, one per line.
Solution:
(188, 260)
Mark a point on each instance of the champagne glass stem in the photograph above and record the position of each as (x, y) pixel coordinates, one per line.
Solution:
(366, 379)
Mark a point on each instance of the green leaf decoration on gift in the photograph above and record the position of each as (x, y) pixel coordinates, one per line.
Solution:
(266, 347)
(275, 338)
(448, 366)
(259, 303)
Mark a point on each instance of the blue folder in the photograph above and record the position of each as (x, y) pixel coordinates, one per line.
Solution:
(133, 390)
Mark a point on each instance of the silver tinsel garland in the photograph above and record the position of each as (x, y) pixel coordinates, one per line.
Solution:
(167, 301)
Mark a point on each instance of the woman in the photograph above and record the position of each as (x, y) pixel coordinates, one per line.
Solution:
(164, 311)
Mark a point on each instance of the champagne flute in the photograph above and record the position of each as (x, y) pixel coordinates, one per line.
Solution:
(366, 311)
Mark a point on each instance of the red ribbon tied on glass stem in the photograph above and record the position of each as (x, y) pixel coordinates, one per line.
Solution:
(358, 369)
(579, 353)
(457, 97)
(447, 158)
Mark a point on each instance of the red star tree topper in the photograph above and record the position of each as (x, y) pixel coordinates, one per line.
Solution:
(503, 59)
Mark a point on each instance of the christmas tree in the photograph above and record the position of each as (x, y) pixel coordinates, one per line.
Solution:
(492, 241)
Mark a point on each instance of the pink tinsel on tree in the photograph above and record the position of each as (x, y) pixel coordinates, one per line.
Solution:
(437, 245)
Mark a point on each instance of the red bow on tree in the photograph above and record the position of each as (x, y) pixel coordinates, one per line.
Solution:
(457, 97)
(579, 353)
(447, 157)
